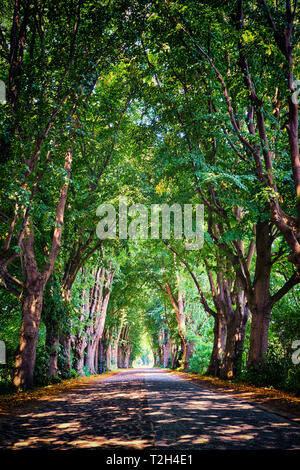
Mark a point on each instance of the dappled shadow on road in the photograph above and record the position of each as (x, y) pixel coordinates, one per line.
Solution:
(143, 409)
(107, 414)
(188, 416)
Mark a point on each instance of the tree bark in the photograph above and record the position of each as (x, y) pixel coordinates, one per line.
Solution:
(259, 299)
(167, 350)
(189, 352)
(108, 356)
(99, 298)
(259, 335)
(91, 357)
(65, 342)
(236, 330)
(124, 349)
(26, 353)
(156, 356)
(220, 331)
(174, 355)
(78, 347)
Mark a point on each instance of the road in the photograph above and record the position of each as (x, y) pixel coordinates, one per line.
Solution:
(146, 409)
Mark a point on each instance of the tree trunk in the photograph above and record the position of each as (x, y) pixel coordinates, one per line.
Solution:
(124, 348)
(218, 347)
(107, 348)
(120, 358)
(108, 357)
(236, 330)
(101, 356)
(98, 304)
(167, 354)
(65, 335)
(260, 300)
(78, 355)
(189, 352)
(259, 335)
(26, 353)
(52, 341)
(156, 356)
(127, 357)
(174, 354)
(184, 351)
(114, 356)
(90, 357)
(96, 364)
(65, 342)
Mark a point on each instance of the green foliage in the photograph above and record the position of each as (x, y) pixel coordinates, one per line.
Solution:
(278, 371)
(126, 88)
(73, 374)
(86, 371)
(200, 358)
(41, 377)
(10, 317)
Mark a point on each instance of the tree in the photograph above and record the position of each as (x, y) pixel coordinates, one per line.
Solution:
(72, 51)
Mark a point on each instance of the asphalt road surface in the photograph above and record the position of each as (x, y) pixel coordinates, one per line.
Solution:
(146, 409)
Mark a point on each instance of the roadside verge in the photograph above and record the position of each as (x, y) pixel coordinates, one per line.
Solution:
(10, 401)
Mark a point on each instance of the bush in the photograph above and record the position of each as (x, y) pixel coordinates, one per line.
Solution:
(7, 371)
(55, 379)
(200, 358)
(73, 374)
(86, 371)
(293, 380)
(6, 378)
(41, 377)
(277, 371)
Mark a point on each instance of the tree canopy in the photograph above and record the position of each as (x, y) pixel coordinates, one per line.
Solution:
(163, 103)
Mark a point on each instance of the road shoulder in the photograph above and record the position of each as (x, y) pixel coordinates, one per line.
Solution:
(10, 401)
